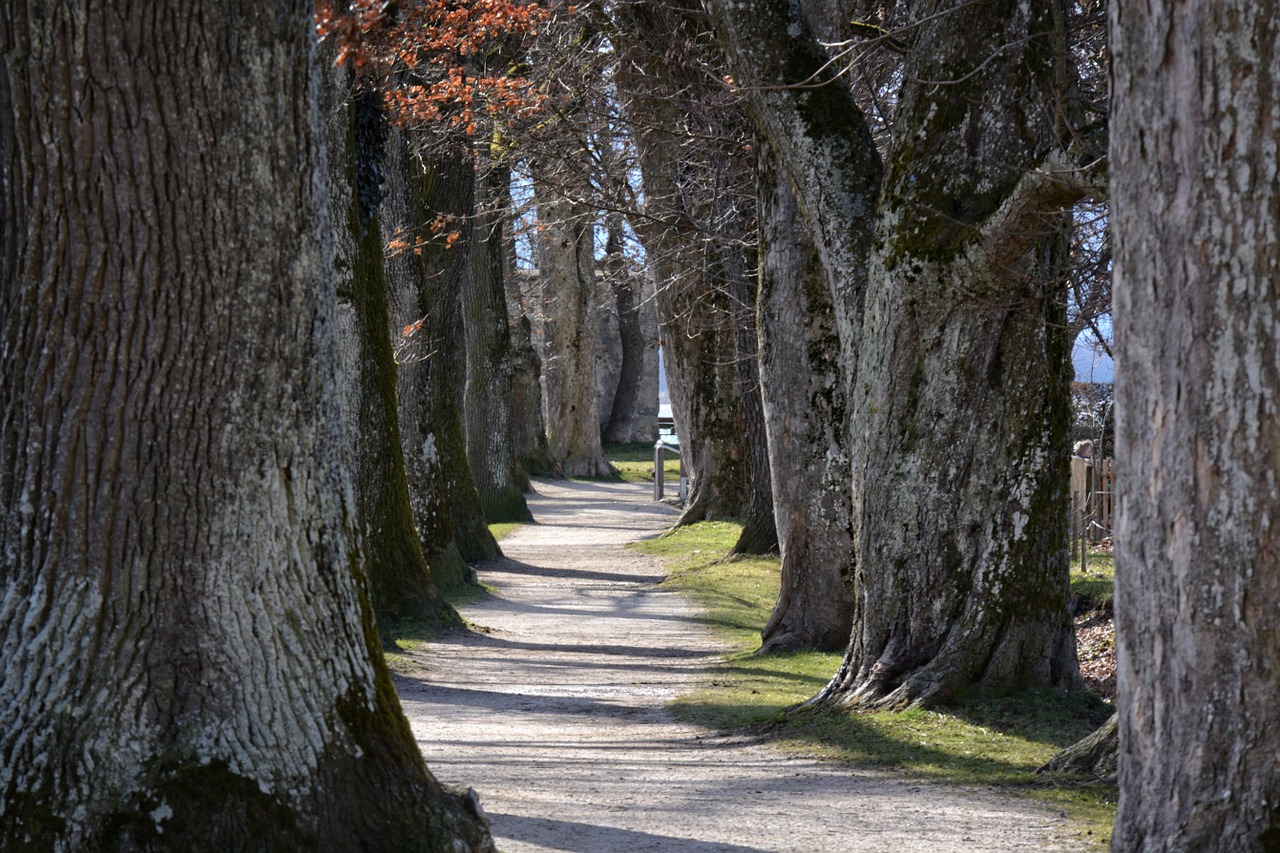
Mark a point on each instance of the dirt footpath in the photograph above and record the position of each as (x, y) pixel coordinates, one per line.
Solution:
(555, 715)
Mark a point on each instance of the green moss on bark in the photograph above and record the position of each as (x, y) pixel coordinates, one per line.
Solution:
(371, 801)
(446, 187)
(509, 505)
(399, 576)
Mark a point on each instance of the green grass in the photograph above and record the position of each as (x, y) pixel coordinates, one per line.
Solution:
(410, 635)
(464, 594)
(414, 635)
(733, 593)
(990, 742)
(1094, 589)
(502, 529)
(634, 462)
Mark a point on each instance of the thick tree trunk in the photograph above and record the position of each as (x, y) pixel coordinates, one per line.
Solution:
(699, 351)
(400, 582)
(626, 405)
(1195, 201)
(759, 530)
(695, 313)
(1094, 756)
(952, 330)
(408, 287)
(961, 575)
(529, 433)
(427, 288)
(500, 480)
(804, 411)
(190, 662)
(963, 385)
(567, 279)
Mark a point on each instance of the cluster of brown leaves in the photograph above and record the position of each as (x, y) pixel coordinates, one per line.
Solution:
(442, 64)
(350, 26)
(1096, 649)
(402, 241)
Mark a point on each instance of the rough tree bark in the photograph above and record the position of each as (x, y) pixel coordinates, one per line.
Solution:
(759, 529)
(567, 281)
(500, 479)
(659, 72)
(1094, 755)
(698, 351)
(626, 405)
(804, 411)
(190, 662)
(400, 581)
(1195, 196)
(427, 288)
(529, 430)
(948, 291)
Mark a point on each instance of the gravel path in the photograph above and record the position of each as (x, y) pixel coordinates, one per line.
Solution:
(554, 711)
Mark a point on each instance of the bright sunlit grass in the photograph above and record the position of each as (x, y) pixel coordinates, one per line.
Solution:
(634, 462)
(990, 742)
(502, 529)
(1094, 587)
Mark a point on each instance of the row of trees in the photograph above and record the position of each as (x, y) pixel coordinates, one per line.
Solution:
(239, 438)
(202, 498)
(938, 203)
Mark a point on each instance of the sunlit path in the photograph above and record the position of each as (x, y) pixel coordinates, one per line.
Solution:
(555, 714)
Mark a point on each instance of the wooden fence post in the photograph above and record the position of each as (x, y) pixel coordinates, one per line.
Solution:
(1081, 507)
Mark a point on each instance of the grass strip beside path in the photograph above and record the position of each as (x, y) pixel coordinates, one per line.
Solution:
(995, 743)
(634, 462)
(413, 635)
(1093, 589)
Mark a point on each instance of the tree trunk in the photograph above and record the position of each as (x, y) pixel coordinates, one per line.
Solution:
(190, 662)
(759, 530)
(1195, 201)
(427, 288)
(656, 78)
(699, 352)
(400, 582)
(804, 412)
(529, 430)
(625, 410)
(949, 292)
(566, 276)
(1093, 756)
(500, 480)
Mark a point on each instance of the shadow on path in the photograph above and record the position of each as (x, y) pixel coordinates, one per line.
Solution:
(494, 569)
(585, 838)
(554, 710)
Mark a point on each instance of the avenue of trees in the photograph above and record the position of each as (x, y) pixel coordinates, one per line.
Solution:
(287, 320)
